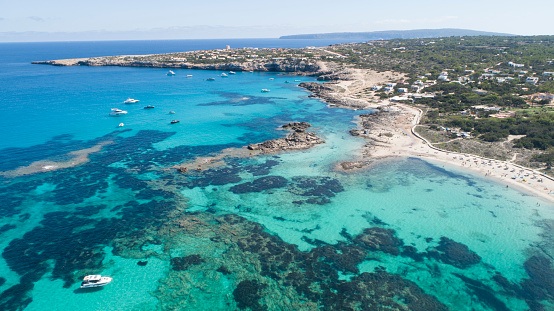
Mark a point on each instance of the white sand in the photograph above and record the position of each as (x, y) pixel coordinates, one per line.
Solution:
(404, 143)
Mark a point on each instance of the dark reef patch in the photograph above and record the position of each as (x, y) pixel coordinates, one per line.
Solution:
(260, 184)
(262, 168)
(247, 295)
(484, 293)
(410, 251)
(183, 263)
(223, 270)
(454, 253)
(215, 177)
(540, 283)
(319, 189)
(89, 210)
(127, 181)
(9, 204)
(7, 227)
(142, 263)
(379, 239)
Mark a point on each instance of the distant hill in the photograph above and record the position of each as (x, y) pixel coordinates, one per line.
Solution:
(397, 34)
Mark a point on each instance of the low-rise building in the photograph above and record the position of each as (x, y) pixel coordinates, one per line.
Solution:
(516, 65)
(486, 108)
(532, 80)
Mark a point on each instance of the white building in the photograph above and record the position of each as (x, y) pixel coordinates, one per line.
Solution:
(516, 65)
(532, 80)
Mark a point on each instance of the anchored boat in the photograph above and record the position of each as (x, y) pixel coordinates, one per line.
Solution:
(131, 101)
(117, 112)
(95, 281)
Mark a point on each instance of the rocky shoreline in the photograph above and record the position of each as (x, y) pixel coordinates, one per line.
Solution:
(328, 93)
(264, 66)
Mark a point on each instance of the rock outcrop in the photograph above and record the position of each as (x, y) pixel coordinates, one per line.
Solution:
(297, 140)
(297, 126)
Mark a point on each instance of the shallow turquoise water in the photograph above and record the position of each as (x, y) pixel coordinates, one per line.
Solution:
(276, 232)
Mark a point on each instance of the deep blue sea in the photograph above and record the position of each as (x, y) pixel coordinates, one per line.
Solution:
(80, 195)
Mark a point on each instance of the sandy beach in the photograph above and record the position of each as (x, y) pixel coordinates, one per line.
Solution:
(401, 141)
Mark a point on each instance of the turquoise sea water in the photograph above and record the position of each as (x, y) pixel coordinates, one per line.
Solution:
(273, 232)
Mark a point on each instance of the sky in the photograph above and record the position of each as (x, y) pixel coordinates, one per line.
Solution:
(55, 20)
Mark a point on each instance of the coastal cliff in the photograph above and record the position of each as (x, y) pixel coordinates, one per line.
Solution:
(275, 66)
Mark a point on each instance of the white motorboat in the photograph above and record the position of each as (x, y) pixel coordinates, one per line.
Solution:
(131, 101)
(189, 76)
(265, 90)
(117, 112)
(232, 72)
(224, 75)
(95, 281)
(170, 73)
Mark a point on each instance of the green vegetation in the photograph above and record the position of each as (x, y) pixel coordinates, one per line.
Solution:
(420, 56)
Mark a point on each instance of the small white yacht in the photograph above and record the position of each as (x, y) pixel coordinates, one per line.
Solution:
(117, 112)
(265, 90)
(232, 72)
(131, 101)
(224, 75)
(170, 73)
(189, 76)
(95, 281)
